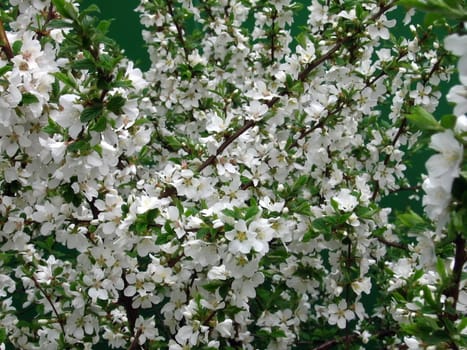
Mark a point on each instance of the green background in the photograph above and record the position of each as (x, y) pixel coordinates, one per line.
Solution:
(125, 28)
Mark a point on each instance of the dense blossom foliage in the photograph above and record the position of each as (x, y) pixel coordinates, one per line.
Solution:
(234, 195)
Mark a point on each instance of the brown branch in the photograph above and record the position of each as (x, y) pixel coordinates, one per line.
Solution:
(393, 244)
(179, 29)
(4, 43)
(134, 344)
(249, 124)
(459, 261)
(303, 75)
(49, 299)
(51, 14)
(330, 344)
(131, 313)
(226, 143)
(273, 36)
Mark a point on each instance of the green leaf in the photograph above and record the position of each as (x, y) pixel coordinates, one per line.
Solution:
(103, 26)
(16, 47)
(173, 142)
(322, 224)
(69, 195)
(366, 212)
(52, 128)
(309, 235)
(440, 268)
(302, 39)
(251, 212)
(299, 183)
(79, 146)
(410, 219)
(99, 124)
(28, 98)
(5, 68)
(91, 113)
(163, 238)
(115, 104)
(213, 286)
(93, 8)
(423, 120)
(65, 9)
(335, 205)
(429, 298)
(67, 79)
(84, 64)
(59, 23)
(107, 62)
(3, 335)
(300, 206)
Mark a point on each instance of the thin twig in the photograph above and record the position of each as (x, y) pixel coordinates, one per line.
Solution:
(179, 29)
(54, 309)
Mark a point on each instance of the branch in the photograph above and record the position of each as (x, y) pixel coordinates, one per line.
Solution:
(226, 143)
(55, 311)
(273, 35)
(393, 244)
(179, 29)
(50, 16)
(131, 313)
(330, 344)
(459, 261)
(134, 344)
(4, 43)
(303, 75)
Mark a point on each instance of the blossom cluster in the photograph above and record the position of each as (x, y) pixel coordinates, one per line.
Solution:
(233, 195)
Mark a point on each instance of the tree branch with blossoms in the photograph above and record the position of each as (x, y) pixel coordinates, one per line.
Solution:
(236, 193)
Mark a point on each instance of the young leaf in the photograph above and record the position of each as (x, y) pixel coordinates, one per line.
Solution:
(423, 120)
(91, 113)
(28, 98)
(65, 9)
(115, 104)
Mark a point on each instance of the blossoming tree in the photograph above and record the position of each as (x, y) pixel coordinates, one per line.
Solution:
(234, 195)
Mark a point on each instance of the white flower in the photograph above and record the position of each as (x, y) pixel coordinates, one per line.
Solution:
(339, 314)
(421, 94)
(225, 328)
(461, 126)
(346, 201)
(458, 95)
(242, 239)
(380, 28)
(218, 273)
(255, 110)
(146, 203)
(444, 166)
(69, 114)
(362, 285)
(436, 200)
(457, 44)
(147, 329)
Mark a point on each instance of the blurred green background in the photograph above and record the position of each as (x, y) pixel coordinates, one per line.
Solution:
(125, 28)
